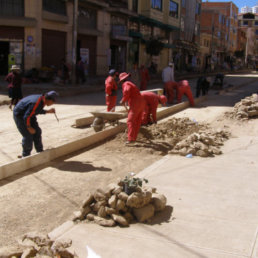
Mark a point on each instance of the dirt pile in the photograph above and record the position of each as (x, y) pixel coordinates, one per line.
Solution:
(121, 204)
(181, 136)
(38, 245)
(245, 109)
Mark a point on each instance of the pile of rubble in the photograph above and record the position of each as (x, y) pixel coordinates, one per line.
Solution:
(204, 144)
(38, 245)
(246, 108)
(184, 136)
(113, 206)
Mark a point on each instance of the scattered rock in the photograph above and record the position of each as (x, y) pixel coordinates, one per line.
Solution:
(144, 213)
(159, 201)
(120, 220)
(138, 200)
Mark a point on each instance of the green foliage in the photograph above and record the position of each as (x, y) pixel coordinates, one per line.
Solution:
(154, 47)
(131, 183)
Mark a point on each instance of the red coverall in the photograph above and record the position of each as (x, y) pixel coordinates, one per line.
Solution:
(132, 95)
(184, 89)
(169, 89)
(152, 102)
(111, 93)
(145, 77)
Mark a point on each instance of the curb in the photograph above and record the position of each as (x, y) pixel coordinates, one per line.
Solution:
(32, 161)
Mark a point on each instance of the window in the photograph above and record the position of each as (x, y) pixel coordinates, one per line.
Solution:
(11, 7)
(55, 6)
(256, 23)
(218, 34)
(87, 18)
(256, 32)
(197, 8)
(245, 23)
(183, 3)
(156, 4)
(228, 22)
(173, 9)
(220, 18)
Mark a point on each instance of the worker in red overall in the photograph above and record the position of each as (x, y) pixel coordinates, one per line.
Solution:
(111, 90)
(150, 111)
(145, 77)
(133, 97)
(185, 89)
(170, 88)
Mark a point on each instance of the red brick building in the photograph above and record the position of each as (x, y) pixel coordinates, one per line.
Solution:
(219, 20)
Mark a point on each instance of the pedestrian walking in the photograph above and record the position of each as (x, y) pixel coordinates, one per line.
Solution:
(24, 115)
(152, 101)
(185, 89)
(145, 77)
(133, 97)
(80, 73)
(111, 90)
(14, 80)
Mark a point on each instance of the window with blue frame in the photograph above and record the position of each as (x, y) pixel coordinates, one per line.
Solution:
(11, 7)
(55, 6)
(256, 23)
(256, 32)
(156, 4)
(173, 9)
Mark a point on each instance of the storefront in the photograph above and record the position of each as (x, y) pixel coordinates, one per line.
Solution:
(11, 47)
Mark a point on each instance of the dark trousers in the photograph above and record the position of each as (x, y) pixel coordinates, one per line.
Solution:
(28, 139)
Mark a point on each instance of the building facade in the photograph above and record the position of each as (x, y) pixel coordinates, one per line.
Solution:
(156, 20)
(220, 21)
(187, 43)
(248, 23)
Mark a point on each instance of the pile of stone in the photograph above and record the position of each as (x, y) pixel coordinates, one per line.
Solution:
(113, 206)
(246, 108)
(204, 144)
(38, 245)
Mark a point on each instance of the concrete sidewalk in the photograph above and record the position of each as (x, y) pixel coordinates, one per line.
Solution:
(211, 210)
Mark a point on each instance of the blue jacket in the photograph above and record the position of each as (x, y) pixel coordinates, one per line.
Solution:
(29, 107)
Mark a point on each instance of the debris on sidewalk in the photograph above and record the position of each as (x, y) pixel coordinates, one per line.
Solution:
(181, 136)
(37, 245)
(245, 109)
(121, 203)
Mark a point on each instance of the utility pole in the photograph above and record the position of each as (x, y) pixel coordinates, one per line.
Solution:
(74, 40)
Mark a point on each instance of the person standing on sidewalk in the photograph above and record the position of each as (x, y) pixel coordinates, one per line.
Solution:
(111, 90)
(152, 101)
(136, 102)
(24, 115)
(145, 77)
(169, 82)
(14, 80)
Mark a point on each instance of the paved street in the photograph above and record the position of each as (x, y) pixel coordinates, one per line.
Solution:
(214, 200)
(68, 109)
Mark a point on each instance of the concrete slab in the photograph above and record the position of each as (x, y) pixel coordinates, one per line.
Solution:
(214, 211)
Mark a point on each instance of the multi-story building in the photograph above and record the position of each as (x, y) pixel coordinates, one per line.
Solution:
(41, 33)
(246, 9)
(187, 42)
(248, 22)
(156, 20)
(255, 9)
(220, 21)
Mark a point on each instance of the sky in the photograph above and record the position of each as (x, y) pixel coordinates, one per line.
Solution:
(238, 3)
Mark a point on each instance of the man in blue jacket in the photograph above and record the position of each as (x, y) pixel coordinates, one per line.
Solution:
(24, 115)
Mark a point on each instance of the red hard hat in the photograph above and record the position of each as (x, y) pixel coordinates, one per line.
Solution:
(163, 99)
(123, 76)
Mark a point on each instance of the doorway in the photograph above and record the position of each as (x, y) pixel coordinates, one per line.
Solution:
(4, 52)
